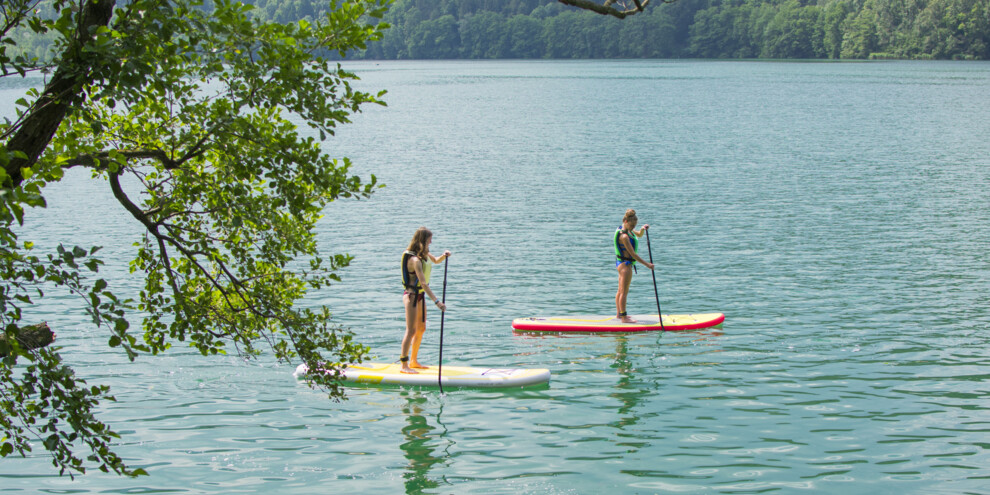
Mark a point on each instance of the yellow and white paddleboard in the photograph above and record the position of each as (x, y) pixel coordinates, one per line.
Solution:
(644, 323)
(453, 376)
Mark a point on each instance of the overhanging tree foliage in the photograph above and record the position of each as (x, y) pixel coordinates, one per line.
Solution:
(184, 113)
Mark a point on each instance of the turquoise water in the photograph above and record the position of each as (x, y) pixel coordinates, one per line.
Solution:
(835, 212)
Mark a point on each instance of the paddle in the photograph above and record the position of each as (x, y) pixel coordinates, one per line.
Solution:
(443, 298)
(653, 272)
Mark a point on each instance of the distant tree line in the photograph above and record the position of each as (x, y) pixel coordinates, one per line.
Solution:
(811, 29)
(796, 29)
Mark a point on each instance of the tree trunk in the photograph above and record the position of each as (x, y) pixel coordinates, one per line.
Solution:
(61, 94)
(30, 337)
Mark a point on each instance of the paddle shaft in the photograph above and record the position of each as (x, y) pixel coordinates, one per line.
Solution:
(653, 272)
(443, 298)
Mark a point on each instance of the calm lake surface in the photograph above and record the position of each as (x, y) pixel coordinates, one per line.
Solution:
(837, 213)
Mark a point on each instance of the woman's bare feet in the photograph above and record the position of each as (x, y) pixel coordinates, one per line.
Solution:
(626, 319)
(418, 366)
(407, 369)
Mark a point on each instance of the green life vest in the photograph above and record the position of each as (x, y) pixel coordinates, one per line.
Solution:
(620, 250)
(409, 280)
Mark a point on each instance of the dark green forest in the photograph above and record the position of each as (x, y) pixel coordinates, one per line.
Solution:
(775, 29)
(793, 29)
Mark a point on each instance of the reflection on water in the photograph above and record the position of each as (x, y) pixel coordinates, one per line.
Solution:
(421, 444)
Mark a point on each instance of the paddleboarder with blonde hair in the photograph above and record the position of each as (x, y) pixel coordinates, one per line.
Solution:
(625, 241)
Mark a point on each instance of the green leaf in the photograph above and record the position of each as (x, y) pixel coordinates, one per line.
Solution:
(51, 442)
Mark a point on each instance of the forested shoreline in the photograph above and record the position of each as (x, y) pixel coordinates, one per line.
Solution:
(734, 29)
(788, 29)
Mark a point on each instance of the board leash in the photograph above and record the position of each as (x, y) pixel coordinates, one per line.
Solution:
(653, 272)
(442, 314)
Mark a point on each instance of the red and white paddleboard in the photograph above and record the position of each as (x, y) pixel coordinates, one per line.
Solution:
(594, 324)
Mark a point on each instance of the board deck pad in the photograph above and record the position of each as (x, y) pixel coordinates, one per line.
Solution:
(453, 376)
(644, 323)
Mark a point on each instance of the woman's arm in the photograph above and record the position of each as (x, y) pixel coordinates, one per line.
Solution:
(624, 239)
(435, 259)
(418, 268)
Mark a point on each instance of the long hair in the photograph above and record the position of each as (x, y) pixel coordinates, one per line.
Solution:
(418, 242)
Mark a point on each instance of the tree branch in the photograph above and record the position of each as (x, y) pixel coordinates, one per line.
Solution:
(608, 9)
(100, 159)
(153, 229)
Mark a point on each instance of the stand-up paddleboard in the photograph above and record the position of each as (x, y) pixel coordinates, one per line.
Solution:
(453, 376)
(591, 324)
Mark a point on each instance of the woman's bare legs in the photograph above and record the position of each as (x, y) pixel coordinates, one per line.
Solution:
(418, 339)
(625, 279)
(412, 311)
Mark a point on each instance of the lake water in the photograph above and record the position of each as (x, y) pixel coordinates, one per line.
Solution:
(837, 213)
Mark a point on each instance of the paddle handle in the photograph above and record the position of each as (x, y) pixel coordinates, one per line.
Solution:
(443, 299)
(653, 272)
